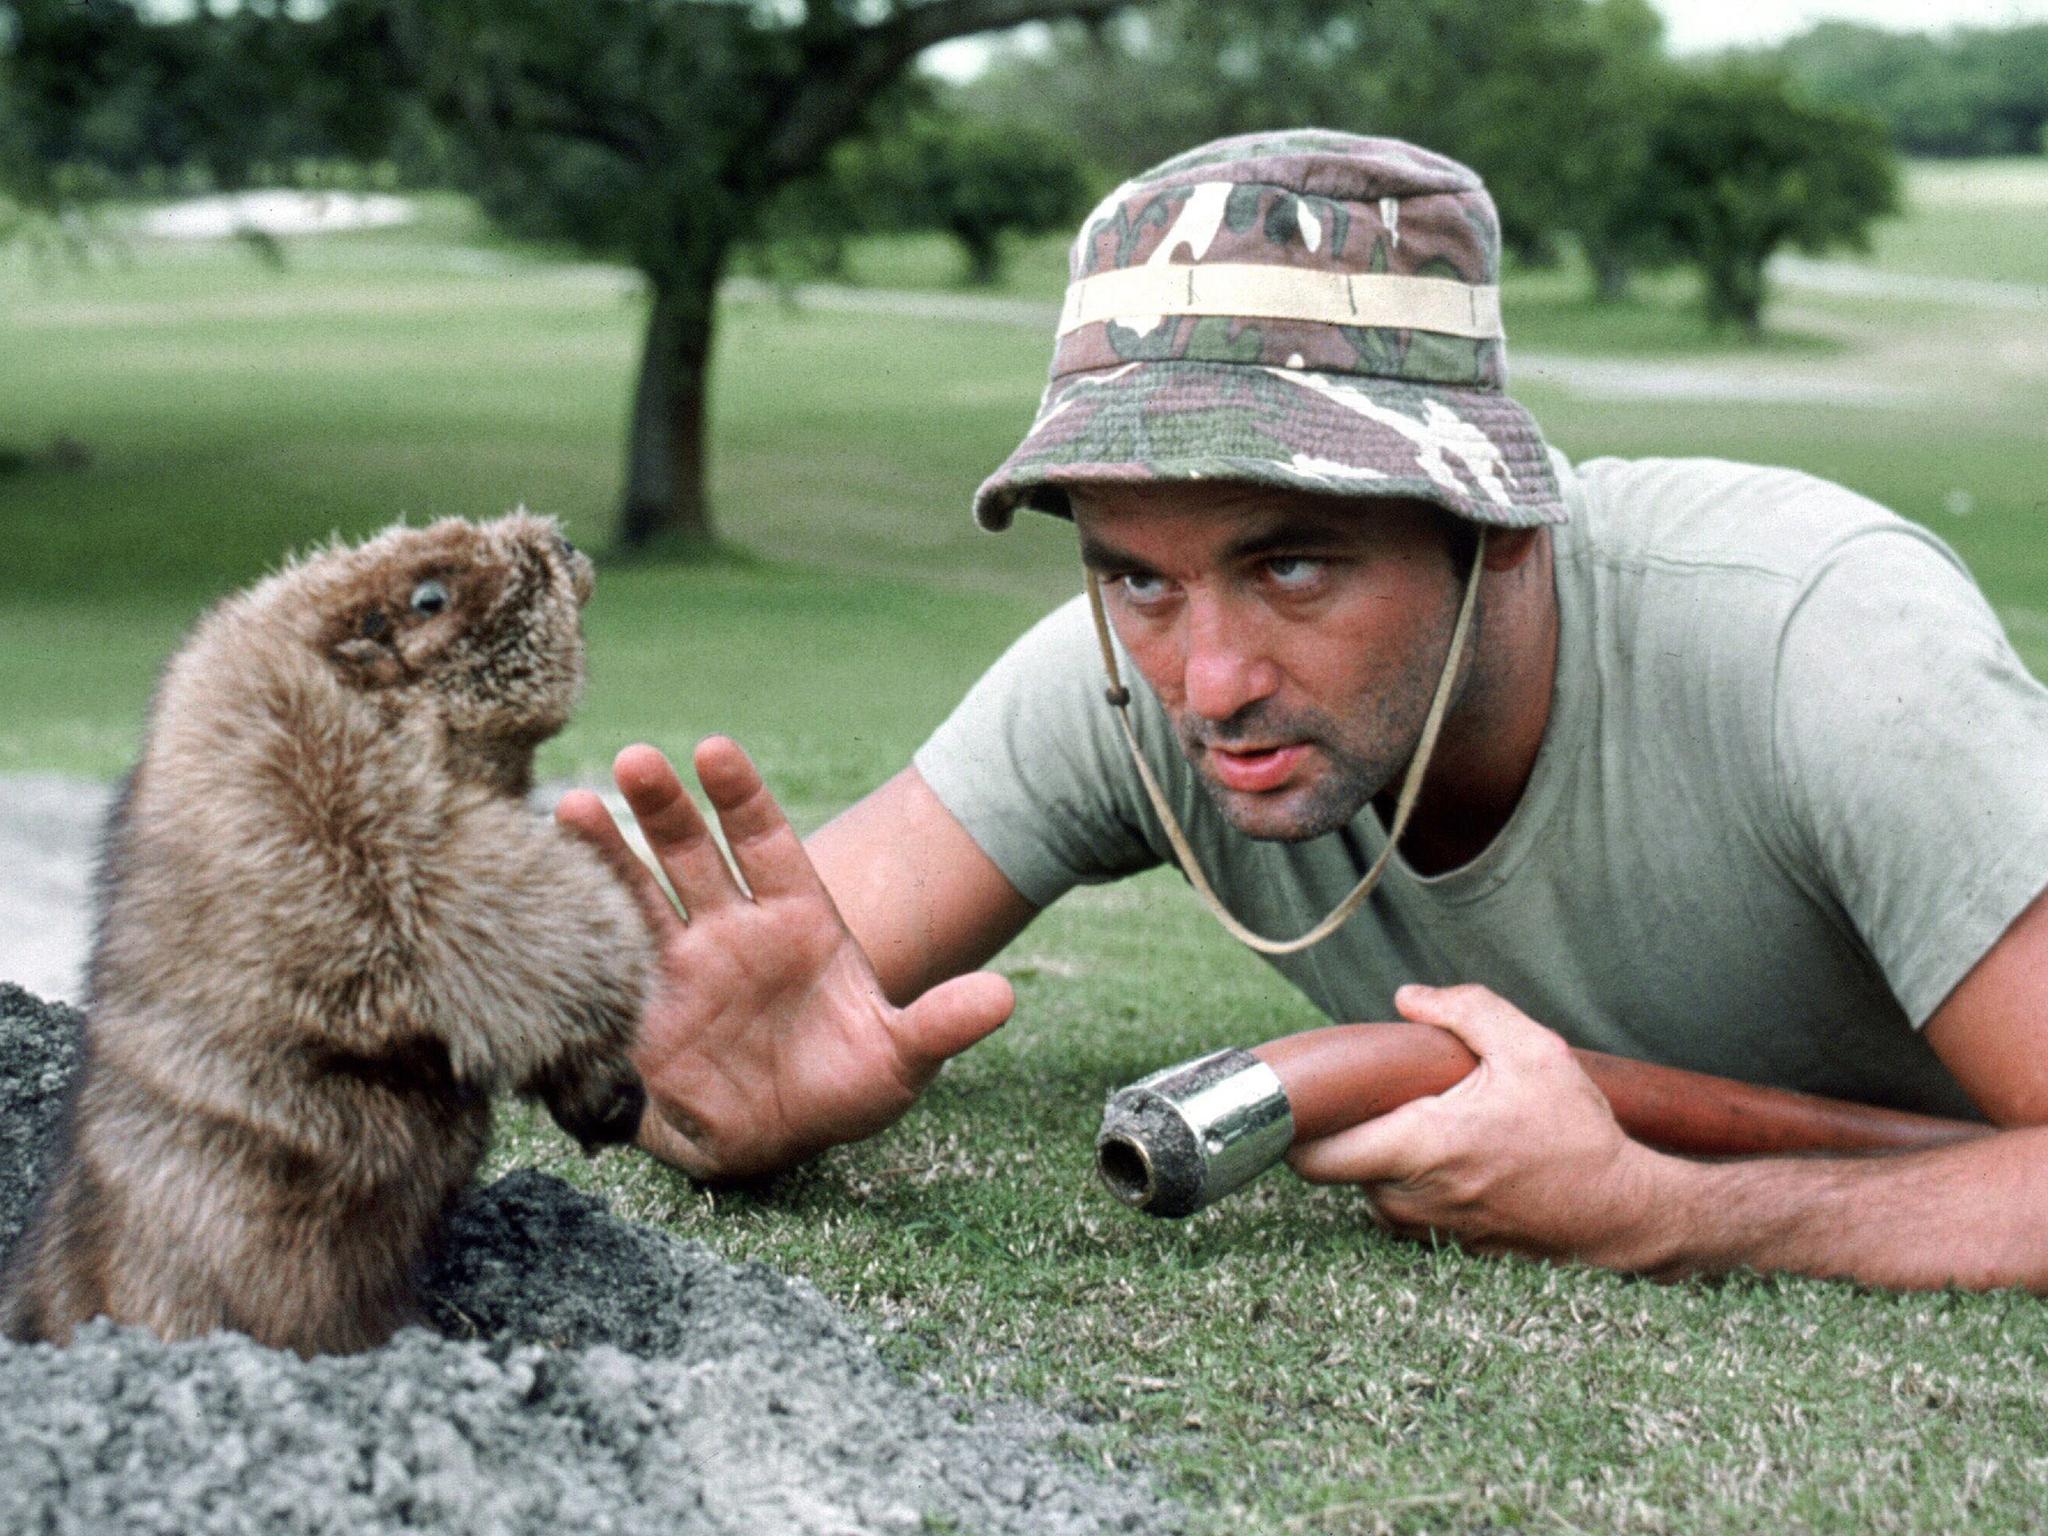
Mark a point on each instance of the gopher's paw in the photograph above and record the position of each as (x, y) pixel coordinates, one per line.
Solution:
(600, 1107)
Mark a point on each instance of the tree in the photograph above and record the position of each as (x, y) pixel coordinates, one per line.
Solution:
(1740, 165)
(1546, 99)
(660, 131)
(222, 96)
(33, 184)
(651, 131)
(1970, 91)
(22, 185)
(974, 179)
(19, 208)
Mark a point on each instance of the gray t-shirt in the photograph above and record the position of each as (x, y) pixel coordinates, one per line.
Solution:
(1794, 785)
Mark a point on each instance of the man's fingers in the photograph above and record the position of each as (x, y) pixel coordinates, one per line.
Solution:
(1414, 1139)
(581, 812)
(764, 845)
(1397, 1145)
(676, 830)
(1493, 1027)
(663, 1141)
(949, 1018)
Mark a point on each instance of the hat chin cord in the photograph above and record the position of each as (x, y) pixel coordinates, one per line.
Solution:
(1404, 806)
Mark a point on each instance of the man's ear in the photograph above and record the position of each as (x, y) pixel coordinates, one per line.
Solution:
(1507, 548)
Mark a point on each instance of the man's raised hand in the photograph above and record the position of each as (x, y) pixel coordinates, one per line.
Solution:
(768, 1037)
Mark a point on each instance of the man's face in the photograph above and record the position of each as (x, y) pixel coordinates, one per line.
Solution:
(1294, 639)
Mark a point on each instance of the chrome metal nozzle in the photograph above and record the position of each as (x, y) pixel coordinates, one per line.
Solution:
(1184, 1138)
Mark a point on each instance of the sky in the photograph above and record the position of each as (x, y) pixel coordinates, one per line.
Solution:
(1694, 26)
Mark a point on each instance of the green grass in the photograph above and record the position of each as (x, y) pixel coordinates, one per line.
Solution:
(1280, 1366)
(1984, 219)
(234, 413)
(1552, 310)
(1033, 268)
(1288, 1370)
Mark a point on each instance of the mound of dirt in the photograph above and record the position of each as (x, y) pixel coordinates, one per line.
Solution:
(586, 1374)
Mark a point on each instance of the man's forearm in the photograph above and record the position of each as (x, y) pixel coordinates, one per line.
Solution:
(1974, 1216)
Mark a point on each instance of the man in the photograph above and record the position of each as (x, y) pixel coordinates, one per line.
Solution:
(1718, 766)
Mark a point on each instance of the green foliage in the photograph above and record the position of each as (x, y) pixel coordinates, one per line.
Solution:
(225, 97)
(1544, 98)
(665, 135)
(19, 168)
(1968, 91)
(1740, 165)
(656, 132)
(617, 128)
(973, 178)
(21, 181)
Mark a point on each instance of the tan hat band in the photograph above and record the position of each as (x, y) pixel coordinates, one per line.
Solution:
(1250, 291)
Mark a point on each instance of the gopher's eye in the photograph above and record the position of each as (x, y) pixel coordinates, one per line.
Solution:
(429, 597)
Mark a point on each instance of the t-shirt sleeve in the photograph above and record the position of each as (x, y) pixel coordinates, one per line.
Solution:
(1033, 764)
(1912, 750)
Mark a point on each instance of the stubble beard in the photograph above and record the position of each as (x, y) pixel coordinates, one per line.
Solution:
(1355, 762)
(1347, 773)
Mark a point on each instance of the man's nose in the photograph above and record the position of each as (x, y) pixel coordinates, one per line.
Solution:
(1224, 668)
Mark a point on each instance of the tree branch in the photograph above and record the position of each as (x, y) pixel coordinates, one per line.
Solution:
(845, 76)
(495, 96)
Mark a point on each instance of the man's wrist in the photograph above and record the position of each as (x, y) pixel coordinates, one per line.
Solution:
(1650, 1210)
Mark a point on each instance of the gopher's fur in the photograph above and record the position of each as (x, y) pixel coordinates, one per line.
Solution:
(329, 929)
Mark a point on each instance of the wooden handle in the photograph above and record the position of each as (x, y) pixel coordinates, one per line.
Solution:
(1347, 1073)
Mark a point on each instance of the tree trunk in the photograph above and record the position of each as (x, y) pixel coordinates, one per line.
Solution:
(983, 248)
(1735, 290)
(1611, 271)
(665, 500)
(1749, 306)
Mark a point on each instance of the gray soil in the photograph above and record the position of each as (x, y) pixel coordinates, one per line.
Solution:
(583, 1374)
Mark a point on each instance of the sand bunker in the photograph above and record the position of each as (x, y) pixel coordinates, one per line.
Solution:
(277, 211)
(585, 1374)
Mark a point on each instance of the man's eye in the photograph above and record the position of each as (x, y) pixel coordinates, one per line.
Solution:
(1142, 589)
(1295, 571)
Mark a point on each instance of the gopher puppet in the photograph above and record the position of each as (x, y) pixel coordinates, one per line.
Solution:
(328, 931)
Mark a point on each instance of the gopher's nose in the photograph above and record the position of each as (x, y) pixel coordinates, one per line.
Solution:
(582, 574)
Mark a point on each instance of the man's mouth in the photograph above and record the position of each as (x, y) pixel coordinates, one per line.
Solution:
(1255, 770)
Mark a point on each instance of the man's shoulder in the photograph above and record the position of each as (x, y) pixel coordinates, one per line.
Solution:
(1053, 673)
(1717, 563)
(1703, 515)
(1059, 649)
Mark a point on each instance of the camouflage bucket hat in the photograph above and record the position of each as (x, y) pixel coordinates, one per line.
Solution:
(1308, 310)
